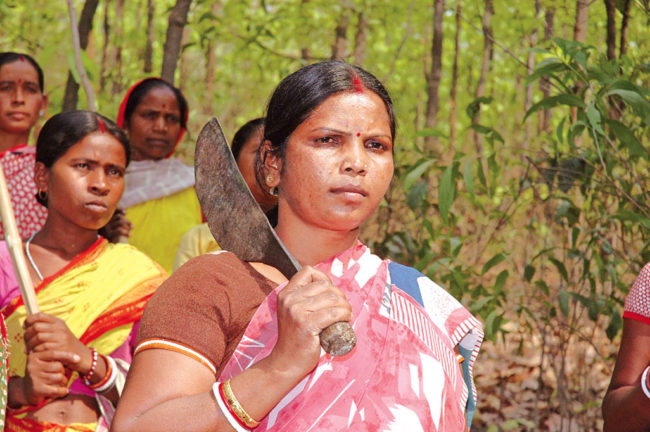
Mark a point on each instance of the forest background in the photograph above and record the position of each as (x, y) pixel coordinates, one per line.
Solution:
(522, 151)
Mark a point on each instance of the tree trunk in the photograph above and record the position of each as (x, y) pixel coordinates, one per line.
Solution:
(177, 20)
(582, 16)
(610, 7)
(105, 48)
(186, 63)
(454, 81)
(485, 68)
(340, 41)
(148, 48)
(433, 81)
(119, 41)
(544, 122)
(76, 44)
(360, 39)
(70, 97)
(530, 62)
(624, 23)
(210, 65)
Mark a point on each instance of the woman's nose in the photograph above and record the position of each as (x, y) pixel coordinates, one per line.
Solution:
(355, 159)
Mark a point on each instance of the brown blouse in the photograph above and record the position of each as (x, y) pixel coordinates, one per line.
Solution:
(203, 309)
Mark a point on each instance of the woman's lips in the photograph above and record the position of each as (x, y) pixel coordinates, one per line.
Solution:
(17, 115)
(350, 192)
(96, 206)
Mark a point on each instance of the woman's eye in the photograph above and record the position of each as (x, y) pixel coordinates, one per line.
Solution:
(173, 119)
(326, 140)
(115, 172)
(375, 145)
(82, 165)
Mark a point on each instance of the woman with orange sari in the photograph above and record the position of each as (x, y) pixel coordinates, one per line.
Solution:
(68, 362)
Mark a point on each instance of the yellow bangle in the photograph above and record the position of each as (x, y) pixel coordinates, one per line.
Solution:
(236, 407)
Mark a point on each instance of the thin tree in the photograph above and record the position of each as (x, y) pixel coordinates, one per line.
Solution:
(544, 122)
(119, 41)
(624, 24)
(148, 48)
(88, 88)
(454, 80)
(360, 39)
(70, 97)
(172, 48)
(340, 39)
(610, 7)
(106, 48)
(435, 74)
(582, 16)
(485, 67)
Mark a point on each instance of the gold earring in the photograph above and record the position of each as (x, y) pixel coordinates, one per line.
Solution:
(41, 195)
(274, 191)
(269, 179)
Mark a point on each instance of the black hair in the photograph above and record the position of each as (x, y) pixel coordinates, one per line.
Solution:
(66, 129)
(244, 134)
(300, 93)
(140, 90)
(10, 57)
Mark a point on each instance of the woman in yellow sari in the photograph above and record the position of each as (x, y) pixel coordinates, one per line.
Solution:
(68, 362)
(160, 200)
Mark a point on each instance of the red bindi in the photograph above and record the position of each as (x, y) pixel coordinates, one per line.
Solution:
(357, 84)
(358, 134)
(22, 58)
(20, 81)
(163, 105)
(101, 126)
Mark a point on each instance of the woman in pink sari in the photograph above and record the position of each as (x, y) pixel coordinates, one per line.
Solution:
(227, 344)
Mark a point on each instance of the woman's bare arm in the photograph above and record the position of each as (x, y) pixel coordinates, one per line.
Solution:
(626, 407)
(169, 391)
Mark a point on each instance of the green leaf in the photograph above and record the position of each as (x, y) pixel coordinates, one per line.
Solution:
(468, 178)
(446, 193)
(529, 272)
(416, 195)
(547, 67)
(496, 259)
(564, 303)
(474, 107)
(638, 103)
(593, 115)
(561, 268)
(552, 101)
(543, 286)
(627, 137)
(615, 325)
(416, 173)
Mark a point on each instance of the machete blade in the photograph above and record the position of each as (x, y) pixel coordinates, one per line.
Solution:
(235, 219)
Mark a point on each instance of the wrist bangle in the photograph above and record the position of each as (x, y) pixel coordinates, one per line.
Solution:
(109, 378)
(644, 382)
(233, 420)
(236, 407)
(93, 365)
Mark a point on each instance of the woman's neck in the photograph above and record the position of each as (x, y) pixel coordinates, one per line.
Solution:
(65, 240)
(11, 140)
(311, 245)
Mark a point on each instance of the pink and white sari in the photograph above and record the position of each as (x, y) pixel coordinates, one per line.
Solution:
(402, 374)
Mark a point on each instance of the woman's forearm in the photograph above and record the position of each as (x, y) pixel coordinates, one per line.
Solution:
(627, 408)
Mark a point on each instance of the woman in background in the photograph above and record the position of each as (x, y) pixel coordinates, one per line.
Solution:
(245, 145)
(68, 363)
(22, 102)
(160, 201)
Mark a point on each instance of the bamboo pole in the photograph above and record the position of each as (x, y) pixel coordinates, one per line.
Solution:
(15, 246)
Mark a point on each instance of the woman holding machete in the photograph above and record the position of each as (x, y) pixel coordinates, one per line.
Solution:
(68, 363)
(221, 348)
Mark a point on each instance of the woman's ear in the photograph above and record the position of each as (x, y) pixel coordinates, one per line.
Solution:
(272, 164)
(41, 176)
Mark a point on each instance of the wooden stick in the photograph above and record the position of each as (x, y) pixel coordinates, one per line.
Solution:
(15, 246)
